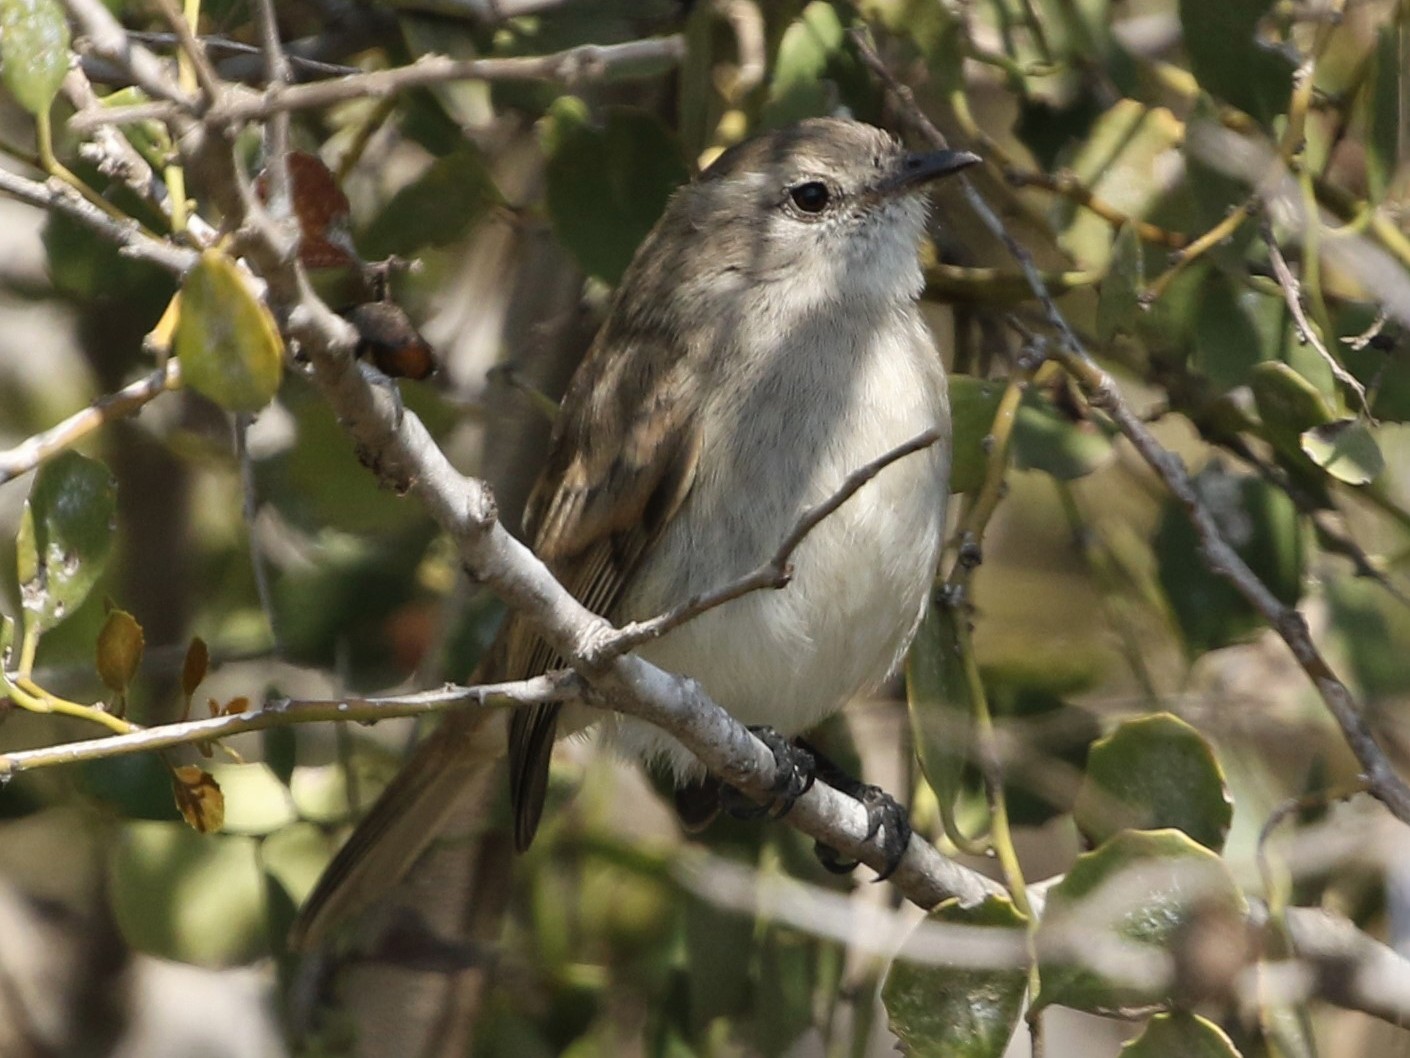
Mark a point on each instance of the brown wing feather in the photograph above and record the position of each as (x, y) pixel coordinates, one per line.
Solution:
(623, 460)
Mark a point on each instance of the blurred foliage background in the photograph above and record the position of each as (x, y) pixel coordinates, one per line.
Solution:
(1213, 189)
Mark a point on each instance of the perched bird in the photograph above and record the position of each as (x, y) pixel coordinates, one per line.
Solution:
(764, 343)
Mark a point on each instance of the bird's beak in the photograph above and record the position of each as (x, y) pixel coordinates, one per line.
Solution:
(922, 167)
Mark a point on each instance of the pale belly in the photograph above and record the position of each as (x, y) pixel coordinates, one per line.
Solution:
(790, 657)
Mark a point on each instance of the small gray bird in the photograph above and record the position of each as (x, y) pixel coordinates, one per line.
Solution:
(764, 343)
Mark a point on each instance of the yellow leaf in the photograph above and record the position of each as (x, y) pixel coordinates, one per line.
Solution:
(226, 340)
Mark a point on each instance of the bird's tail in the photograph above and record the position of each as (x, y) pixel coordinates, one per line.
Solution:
(451, 775)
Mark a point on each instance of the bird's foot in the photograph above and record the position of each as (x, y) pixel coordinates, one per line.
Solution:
(794, 771)
(885, 816)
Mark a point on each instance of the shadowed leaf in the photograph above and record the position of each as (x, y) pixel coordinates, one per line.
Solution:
(944, 1012)
(66, 535)
(1150, 773)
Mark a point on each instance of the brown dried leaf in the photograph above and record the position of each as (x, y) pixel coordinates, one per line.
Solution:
(120, 644)
(198, 798)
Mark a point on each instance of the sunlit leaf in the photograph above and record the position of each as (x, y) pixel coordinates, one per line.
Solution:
(66, 535)
(185, 896)
(1150, 773)
(1345, 449)
(944, 1012)
(1180, 1035)
(198, 798)
(1111, 926)
(119, 650)
(226, 340)
(1116, 159)
(34, 51)
(799, 87)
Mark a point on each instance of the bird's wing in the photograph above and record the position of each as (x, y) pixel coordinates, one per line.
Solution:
(622, 461)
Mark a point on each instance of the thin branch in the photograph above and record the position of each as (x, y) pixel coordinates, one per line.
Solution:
(129, 400)
(558, 686)
(109, 41)
(206, 76)
(1292, 294)
(55, 196)
(774, 573)
(1382, 780)
(1067, 184)
(235, 47)
(587, 62)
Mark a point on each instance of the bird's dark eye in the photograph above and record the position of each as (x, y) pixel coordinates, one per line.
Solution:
(811, 197)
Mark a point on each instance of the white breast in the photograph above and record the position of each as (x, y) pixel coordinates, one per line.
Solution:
(781, 435)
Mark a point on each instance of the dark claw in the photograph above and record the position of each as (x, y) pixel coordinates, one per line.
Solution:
(832, 861)
(885, 816)
(793, 777)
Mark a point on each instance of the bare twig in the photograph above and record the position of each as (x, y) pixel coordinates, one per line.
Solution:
(1067, 184)
(1292, 294)
(129, 400)
(206, 76)
(559, 686)
(235, 47)
(58, 197)
(587, 62)
(775, 573)
(1219, 556)
(109, 41)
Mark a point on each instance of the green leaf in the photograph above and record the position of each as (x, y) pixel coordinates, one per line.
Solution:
(973, 402)
(1230, 59)
(226, 340)
(1151, 773)
(1180, 1035)
(1260, 522)
(186, 896)
(945, 1012)
(1044, 439)
(939, 702)
(1119, 304)
(1110, 927)
(607, 186)
(1228, 341)
(66, 535)
(34, 51)
(1287, 403)
(119, 650)
(436, 208)
(7, 640)
(150, 138)
(1372, 627)
(1116, 159)
(1382, 112)
(1345, 449)
(800, 87)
